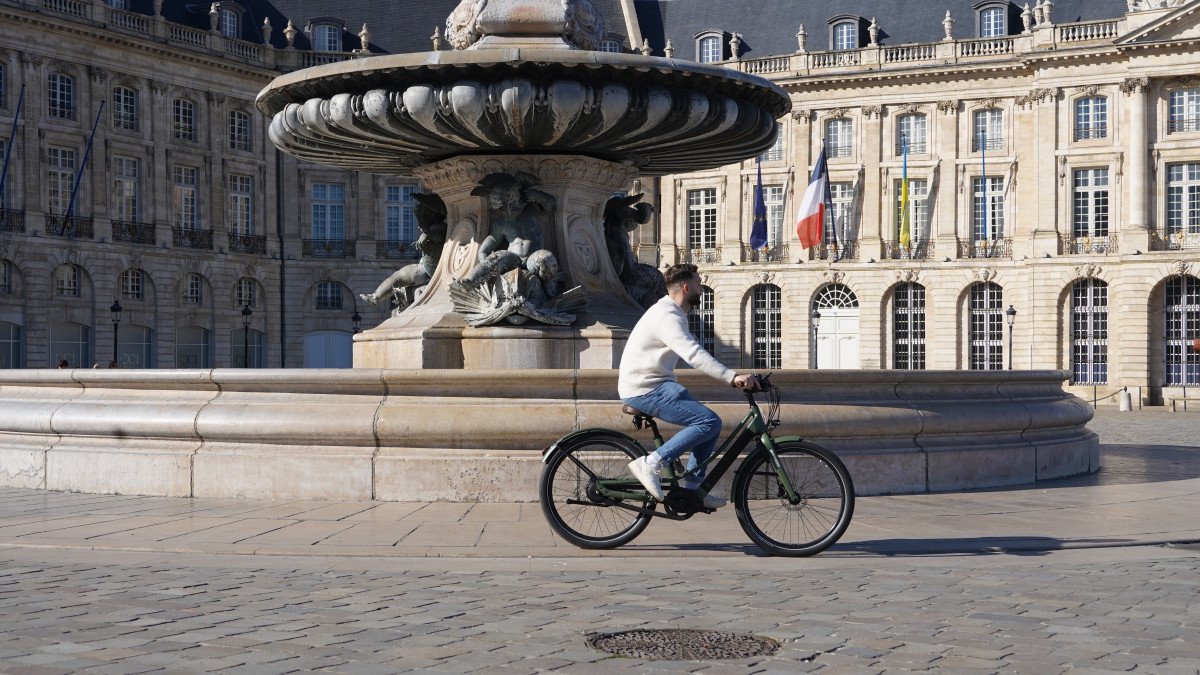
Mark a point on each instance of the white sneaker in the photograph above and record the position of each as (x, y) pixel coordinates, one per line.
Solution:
(712, 501)
(647, 476)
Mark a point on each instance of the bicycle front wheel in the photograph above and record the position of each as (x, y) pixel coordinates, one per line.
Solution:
(574, 507)
(807, 526)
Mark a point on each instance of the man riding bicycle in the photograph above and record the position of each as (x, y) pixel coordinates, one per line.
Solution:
(647, 383)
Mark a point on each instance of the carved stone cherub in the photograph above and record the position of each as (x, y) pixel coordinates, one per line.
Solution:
(622, 215)
(404, 285)
(516, 212)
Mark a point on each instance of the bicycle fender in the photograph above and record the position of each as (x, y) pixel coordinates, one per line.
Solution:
(549, 450)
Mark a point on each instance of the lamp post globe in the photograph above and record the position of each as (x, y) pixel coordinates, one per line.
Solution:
(355, 319)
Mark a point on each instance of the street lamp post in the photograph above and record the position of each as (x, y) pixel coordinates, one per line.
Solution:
(355, 319)
(1010, 316)
(246, 314)
(816, 325)
(116, 310)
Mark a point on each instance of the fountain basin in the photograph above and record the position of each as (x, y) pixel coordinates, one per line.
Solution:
(461, 435)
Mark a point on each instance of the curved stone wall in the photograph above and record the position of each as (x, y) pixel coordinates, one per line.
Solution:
(476, 435)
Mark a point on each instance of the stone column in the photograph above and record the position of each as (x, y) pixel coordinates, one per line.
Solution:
(1135, 234)
(945, 235)
(1039, 181)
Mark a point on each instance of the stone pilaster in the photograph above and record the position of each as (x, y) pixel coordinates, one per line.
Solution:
(1135, 231)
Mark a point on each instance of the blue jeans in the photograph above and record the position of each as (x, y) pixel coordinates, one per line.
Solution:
(671, 402)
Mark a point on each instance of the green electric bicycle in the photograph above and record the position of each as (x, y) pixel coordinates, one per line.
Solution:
(792, 496)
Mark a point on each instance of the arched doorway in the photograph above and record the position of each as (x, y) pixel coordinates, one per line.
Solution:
(837, 334)
(327, 349)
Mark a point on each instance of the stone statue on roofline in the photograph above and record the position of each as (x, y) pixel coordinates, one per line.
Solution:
(516, 279)
(642, 281)
(406, 284)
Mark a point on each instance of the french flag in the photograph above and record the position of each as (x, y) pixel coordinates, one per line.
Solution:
(811, 217)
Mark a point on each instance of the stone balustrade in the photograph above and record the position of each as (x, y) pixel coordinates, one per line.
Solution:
(469, 435)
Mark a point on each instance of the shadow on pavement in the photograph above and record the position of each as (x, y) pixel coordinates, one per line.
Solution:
(1011, 545)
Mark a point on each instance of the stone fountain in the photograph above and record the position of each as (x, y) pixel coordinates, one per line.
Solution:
(525, 291)
(525, 133)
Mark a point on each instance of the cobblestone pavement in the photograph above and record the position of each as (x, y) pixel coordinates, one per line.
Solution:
(1016, 590)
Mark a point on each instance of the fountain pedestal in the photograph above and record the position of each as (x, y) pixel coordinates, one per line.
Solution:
(429, 334)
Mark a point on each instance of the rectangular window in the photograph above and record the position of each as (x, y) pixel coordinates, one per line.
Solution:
(987, 130)
(845, 36)
(66, 282)
(987, 210)
(241, 204)
(183, 197)
(1091, 117)
(399, 212)
(124, 109)
(918, 205)
(908, 315)
(239, 131)
(710, 49)
(195, 289)
(987, 327)
(773, 196)
(245, 293)
(327, 38)
(840, 212)
(230, 24)
(775, 152)
(1090, 203)
(125, 188)
(328, 211)
(702, 218)
(131, 284)
(184, 119)
(991, 22)
(60, 93)
(913, 132)
(329, 295)
(1183, 111)
(60, 178)
(1183, 198)
(839, 138)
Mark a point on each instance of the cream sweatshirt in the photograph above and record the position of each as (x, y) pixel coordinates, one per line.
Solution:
(660, 338)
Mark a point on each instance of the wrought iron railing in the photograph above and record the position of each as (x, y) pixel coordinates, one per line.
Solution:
(327, 248)
(185, 237)
(12, 220)
(1175, 241)
(255, 244)
(836, 250)
(992, 143)
(71, 227)
(133, 232)
(1090, 131)
(839, 150)
(395, 249)
(1178, 124)
(184, 132)
(985, 248)
(917, 250)
(699, 256)
(1071, 245)
(767, 254)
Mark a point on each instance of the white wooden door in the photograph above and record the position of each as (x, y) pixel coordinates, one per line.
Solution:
(837, 338)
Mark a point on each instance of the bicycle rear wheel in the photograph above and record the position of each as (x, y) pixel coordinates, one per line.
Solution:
(571, 503)
(816, 521)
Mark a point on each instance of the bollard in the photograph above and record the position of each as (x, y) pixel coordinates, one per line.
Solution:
(1126, 401)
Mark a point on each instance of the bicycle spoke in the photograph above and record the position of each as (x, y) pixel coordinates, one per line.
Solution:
(591, 519)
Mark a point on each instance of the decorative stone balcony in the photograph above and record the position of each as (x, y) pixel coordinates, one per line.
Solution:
(1101, 245)
(185, 237)
(698, 256)
(985, 248)
(1175, 241)
(390, 249)
(920, 250)
(254, 244)
(12, 220)
(71, 227)
(133, 232)
(328, 248)
(775, 253)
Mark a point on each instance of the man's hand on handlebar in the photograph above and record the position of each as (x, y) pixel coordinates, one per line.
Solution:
(748, 381)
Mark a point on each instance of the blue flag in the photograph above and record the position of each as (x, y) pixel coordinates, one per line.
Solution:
(758, 231)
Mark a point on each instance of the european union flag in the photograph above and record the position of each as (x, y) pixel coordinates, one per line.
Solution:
(758, 231)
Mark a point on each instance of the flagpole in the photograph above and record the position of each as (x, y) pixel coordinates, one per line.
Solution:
(8, 149)
(905, 235)
(83, 164)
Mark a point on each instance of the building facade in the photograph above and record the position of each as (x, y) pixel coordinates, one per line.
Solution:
(1008, 185)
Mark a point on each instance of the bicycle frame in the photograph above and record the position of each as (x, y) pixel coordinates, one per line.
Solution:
(752, 428)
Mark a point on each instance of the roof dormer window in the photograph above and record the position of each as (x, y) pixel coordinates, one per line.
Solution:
(230, 23)
(709, 48)
(611, 46)
(845, 35)
(327, 37)
(994, 18)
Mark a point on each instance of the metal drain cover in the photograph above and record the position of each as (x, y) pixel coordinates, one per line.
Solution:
(683, 645)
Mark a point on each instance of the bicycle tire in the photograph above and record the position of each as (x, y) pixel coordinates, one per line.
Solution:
(563, 477)
(826, 499)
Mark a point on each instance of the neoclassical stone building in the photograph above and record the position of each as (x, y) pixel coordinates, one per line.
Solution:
(1052, 154)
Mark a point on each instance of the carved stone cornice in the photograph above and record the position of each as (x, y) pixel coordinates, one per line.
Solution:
(462, 171)
(1088, 89)
(802, 116)
(1135, 85)
(909, 108)
(1037, 96)
(948, 106)
(835, 113)
(872, 111)
(989, 102)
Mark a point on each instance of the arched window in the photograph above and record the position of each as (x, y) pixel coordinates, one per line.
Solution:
(135, 346)
(60, 93)
(839, 138)
(193, 291)
(70, 342)
(709, 49)
(986, 327)
(845, 35)
(230, 23)
(125, 108)
(1089, 332)
(992, 22)
(246, 294)
(184, 119)
(611, 46)
(767, 326)
(1181, 311)
(131, 285)
(701, 320)
(1183, 110)
(10, 345)
(908, 327)
(248, 348)
(239, 130)
(327, 37)
(329, 295)
(193, 347)
(836, 296)
(67, 281)
(1091, 117)
(912, 134)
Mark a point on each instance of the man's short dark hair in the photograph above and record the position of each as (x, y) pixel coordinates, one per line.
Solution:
(678, 273)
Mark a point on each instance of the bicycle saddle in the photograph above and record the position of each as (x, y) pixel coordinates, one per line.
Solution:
(630, 410)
